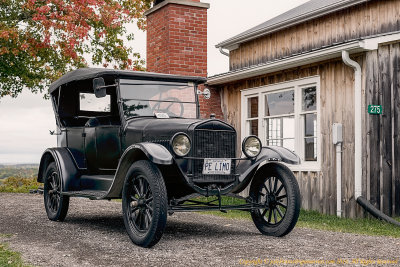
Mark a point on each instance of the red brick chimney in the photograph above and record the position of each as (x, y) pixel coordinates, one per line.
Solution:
(177, 43)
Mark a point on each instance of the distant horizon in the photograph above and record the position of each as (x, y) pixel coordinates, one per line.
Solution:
(22, 163)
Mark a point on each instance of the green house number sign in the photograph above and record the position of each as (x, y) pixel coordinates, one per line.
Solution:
(375, 109)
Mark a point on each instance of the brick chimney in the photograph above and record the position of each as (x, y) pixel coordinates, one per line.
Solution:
(177, 43)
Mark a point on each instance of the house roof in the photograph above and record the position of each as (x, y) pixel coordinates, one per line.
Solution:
(310, 57)
(307, 11)
(90, 73)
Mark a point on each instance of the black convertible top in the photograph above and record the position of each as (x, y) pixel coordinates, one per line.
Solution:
(90, 73)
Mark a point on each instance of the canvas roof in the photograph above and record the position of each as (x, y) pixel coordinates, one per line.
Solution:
(90, 73)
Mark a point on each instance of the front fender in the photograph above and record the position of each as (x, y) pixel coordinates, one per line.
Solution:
(247, 168)
(65, 164)
(156, 153)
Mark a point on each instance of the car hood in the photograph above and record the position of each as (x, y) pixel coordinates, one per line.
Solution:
(153, 129)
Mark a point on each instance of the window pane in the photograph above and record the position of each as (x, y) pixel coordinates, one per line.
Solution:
(274, 128)
(278, 128)
(289, 144)
(279, 103)
(134, 108)
(309, 98)
(253, 127)
(274, 142)
(89, 102)
(288, 127)
(310, 149)
(310, 121)
(252, 106)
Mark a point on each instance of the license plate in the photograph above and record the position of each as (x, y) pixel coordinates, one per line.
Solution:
(217, 166)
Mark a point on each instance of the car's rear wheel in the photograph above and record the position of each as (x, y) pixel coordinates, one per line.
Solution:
(276, 188)
(55, 203)
(144, 204)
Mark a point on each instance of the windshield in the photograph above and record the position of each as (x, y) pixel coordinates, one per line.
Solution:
(150, 98)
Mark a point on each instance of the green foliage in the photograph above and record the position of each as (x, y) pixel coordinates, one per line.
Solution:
(9, 258)
(41, 40)
(316, 220)
(18, 185)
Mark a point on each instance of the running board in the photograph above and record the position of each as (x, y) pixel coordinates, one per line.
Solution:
(91, 194)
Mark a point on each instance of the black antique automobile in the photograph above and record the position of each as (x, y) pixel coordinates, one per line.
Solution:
(137, 136)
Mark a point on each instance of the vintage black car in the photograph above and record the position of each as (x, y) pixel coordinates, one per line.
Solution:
(138, 136)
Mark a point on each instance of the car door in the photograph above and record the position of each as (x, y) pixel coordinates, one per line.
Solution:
(102, 133)
(75, 144)
(108, 146)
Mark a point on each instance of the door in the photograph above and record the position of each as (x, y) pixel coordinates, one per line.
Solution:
(75, 144)
(102, 147)
(108, 146)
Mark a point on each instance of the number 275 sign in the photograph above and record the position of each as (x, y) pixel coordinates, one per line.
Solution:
(375, 109)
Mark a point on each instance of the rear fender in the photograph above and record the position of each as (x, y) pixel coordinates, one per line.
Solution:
(156, 153)
(270, 154)
(65, 164)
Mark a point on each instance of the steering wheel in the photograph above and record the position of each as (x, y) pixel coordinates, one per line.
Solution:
(173, 100)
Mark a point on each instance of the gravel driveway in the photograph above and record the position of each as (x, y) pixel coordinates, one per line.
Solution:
(93, 234)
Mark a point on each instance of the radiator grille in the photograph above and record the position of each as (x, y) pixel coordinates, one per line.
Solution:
(213, 144)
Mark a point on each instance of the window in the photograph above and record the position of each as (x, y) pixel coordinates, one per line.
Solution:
(89, 102)
(252, 115)
(145, 98)
(285, 115)
(279, 119)
(309, 116)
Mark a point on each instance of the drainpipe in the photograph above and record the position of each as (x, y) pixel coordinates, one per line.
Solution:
(357, 122)
(223, 52)
(363, 202)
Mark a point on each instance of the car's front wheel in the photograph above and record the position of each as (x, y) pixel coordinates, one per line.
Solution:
(55, 203)
(275, 187)
(144, 204)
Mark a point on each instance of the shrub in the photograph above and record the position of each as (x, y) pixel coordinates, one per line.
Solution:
(16, 184)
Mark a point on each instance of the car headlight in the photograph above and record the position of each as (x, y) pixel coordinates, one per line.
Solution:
(251, 146)
(181, 144)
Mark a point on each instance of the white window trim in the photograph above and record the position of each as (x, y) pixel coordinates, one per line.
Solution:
(297, 85)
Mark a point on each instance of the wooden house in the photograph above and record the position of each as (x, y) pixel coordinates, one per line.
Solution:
(295, 79)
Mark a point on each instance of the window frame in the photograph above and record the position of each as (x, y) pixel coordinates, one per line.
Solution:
(298, 86)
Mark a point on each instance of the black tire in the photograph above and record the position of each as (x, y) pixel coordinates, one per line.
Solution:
(275, 186)
(144, 204)
(55, 203)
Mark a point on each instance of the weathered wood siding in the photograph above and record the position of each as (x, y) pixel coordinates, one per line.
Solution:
(381, 159)
(371, 18)
(318, 189)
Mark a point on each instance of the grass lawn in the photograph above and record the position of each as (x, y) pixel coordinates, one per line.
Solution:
(316, 220)
(9, 258)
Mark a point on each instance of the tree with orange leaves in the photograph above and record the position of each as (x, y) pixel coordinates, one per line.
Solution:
(42, 39)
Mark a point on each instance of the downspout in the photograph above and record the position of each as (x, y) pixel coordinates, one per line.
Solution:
(363, 202)
(357, 122)
(221, 50)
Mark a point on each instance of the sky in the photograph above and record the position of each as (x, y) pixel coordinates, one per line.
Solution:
(25, 121)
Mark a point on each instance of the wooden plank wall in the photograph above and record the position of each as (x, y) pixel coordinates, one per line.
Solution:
(370, 18)
(382, 158)
(318, 189)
